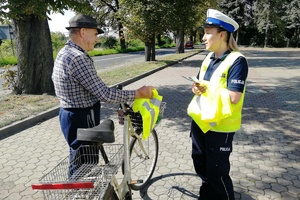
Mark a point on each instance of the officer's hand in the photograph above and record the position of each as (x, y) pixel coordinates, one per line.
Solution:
(198, 89)
(144, 92)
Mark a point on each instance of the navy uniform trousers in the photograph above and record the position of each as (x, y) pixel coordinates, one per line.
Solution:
(70, 120)
(210, 154)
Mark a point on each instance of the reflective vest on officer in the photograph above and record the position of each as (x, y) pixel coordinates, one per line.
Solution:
(225, 117)
(149, 109)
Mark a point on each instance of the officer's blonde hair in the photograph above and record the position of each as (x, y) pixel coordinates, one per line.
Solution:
(229, 39)
(232, 43)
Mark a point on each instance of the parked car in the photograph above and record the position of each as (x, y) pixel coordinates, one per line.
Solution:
(189, 44)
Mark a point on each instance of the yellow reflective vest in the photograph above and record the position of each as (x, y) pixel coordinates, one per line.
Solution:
(149, 109)
(213, 109)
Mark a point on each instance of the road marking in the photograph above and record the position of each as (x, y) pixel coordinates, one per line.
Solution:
(113, 58)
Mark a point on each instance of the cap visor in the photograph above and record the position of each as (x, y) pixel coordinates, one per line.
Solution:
(100, 31)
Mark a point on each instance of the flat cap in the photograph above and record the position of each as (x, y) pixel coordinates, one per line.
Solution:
(216, 18)
(84, 21)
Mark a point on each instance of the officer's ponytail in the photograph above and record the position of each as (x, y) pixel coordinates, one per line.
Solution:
(232, 43)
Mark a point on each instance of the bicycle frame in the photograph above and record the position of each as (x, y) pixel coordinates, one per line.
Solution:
(124, 186)
(128, 132)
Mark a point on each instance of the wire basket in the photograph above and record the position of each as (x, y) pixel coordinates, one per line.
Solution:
(91, 171)
(136, 117)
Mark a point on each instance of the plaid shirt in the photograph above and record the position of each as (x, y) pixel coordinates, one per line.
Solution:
(77, 84)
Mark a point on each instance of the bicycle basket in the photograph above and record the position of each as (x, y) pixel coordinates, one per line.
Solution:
(91, 178)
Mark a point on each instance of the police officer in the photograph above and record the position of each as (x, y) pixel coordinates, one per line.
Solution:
(225, 71)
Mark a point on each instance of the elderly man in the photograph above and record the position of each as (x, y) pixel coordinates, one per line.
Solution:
(77, 85)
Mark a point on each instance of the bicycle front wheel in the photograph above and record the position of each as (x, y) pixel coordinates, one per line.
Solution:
(143, 159)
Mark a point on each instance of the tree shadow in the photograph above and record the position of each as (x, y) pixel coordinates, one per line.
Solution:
(267, 142)
(182, 189)
(260, 58)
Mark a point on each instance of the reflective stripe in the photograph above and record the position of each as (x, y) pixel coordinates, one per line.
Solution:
(225, 188)
(151, 111)
(155, 102)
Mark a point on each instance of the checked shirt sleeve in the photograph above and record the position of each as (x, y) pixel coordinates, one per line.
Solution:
(84, 72)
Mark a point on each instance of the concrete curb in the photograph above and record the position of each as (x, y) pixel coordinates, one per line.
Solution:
(48, 114)
(28, 122)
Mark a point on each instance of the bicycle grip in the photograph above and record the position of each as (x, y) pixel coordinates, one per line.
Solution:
(119, 87)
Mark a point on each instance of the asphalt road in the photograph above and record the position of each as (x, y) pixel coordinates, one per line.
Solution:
(106, 62)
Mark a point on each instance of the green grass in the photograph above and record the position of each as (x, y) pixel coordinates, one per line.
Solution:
(101, 52)
(132, 70)
(8, 60)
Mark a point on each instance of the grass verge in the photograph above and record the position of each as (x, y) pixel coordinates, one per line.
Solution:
(18, 107)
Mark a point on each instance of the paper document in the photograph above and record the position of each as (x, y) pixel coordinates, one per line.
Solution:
(192, 78)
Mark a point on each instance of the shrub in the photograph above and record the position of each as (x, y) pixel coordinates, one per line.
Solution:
(135, 43)
(7, 51)
(110, 42)
(58, 40)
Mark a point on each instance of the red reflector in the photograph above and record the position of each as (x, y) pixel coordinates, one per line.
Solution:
(62, 186)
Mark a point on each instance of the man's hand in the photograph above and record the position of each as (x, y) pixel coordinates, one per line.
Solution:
(198, 89)
(144, 92)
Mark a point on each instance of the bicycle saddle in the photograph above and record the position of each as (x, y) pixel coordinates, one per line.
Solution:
(103, 133)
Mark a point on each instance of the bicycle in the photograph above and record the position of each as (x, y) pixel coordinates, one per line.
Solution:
(95, 176)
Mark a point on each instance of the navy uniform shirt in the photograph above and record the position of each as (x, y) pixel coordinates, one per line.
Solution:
(237, 73)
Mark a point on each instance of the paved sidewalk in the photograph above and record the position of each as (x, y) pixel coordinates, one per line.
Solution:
(266, 153)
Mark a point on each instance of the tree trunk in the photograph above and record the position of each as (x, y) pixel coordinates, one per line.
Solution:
(150, 49)
(121, 35)
(35, 56)
(194, 36)
(159, 42)
(153, 48)
(180, 41)
(147, 51)
(266, 36)
(191, 35)
(297, 36)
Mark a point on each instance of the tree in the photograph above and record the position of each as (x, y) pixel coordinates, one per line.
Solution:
(240, 11)
(108, 11)
(267, 15)
(58, 40)
(292, 21)
(33, 40)
(182, 15)
(143, 19)
(186, 17)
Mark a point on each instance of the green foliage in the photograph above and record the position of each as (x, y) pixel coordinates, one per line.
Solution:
(132, 43)
(8, 60)
(7, 56)
(21, 9)
(143, 18)
(101, 52)
(110, 42)
(106, 12)
(166, 42)
(58, 40)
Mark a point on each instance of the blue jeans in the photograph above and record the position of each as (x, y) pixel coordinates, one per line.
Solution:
(210, 154)
(70, 120)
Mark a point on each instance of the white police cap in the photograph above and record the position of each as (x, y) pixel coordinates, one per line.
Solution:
(216, 18)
